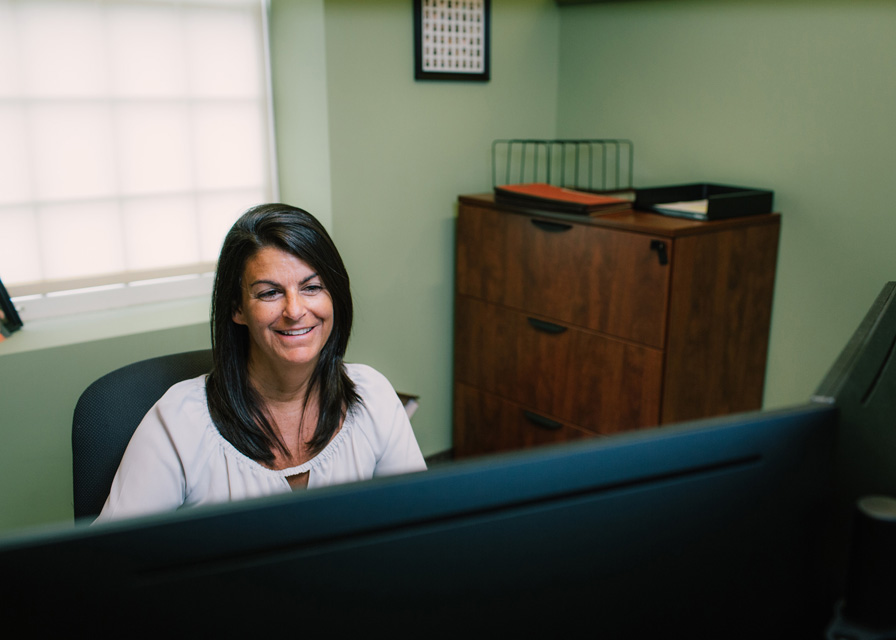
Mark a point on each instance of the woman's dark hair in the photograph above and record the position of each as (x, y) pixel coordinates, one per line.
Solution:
(235, 406)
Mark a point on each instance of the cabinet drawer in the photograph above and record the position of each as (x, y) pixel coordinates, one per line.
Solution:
(579, 376)
(608, 280)
(485, 424)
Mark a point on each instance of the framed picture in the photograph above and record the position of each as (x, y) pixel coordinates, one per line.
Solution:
(451, 40)
(9, 317)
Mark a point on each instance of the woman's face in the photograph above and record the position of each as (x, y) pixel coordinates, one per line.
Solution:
(286, 308)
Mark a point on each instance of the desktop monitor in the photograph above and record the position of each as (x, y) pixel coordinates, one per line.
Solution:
(702, 527)
(861, 384)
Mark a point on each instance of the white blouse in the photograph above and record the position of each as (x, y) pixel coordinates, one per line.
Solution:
(178, 458)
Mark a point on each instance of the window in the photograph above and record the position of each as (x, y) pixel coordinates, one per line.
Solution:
(134, 133)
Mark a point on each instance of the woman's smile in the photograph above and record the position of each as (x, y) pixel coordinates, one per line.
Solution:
(294, 332)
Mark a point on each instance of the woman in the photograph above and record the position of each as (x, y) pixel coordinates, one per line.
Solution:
(280, 409)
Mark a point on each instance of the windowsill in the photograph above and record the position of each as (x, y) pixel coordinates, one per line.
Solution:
(99, 325)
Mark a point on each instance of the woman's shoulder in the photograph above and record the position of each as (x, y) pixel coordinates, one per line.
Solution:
(384, 423)
(184, 394)
(364, 375)
(182, 411)
(373, 388)
(379, 403)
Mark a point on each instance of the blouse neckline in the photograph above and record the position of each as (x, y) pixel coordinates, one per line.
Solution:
(326, 453)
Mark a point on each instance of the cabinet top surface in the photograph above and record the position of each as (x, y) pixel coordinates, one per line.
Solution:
(631, 220)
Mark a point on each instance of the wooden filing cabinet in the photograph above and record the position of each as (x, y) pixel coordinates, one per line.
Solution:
(572, 326)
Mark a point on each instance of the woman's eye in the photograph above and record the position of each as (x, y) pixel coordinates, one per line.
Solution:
(313, 288)
(266, 294)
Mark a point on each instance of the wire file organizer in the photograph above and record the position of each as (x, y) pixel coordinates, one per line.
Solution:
(588, 165)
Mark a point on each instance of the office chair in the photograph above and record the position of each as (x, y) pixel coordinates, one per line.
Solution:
(108, 412)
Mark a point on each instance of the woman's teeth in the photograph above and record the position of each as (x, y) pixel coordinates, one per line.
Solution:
(297, 332)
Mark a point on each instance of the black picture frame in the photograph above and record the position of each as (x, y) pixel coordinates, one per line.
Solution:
(9, 317)
(452, 40)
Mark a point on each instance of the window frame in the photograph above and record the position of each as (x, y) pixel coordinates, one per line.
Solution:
(59, 297)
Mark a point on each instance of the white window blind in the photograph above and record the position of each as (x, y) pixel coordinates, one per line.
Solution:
(133, 132)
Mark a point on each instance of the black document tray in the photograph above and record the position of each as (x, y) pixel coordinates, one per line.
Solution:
(722, 201)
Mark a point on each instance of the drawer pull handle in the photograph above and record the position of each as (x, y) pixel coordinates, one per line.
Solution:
(660, 247)
(541, 421)
(547, 327)
(552, 227)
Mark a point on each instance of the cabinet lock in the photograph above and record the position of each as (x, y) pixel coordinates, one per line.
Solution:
(660, 247)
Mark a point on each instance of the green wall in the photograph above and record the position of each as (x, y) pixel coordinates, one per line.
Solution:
(299, 83)
(38, 392)
(793, 96)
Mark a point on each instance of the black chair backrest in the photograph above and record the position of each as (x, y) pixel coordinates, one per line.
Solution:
(109, 411)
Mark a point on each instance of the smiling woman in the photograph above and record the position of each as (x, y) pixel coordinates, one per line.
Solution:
(280, 410)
